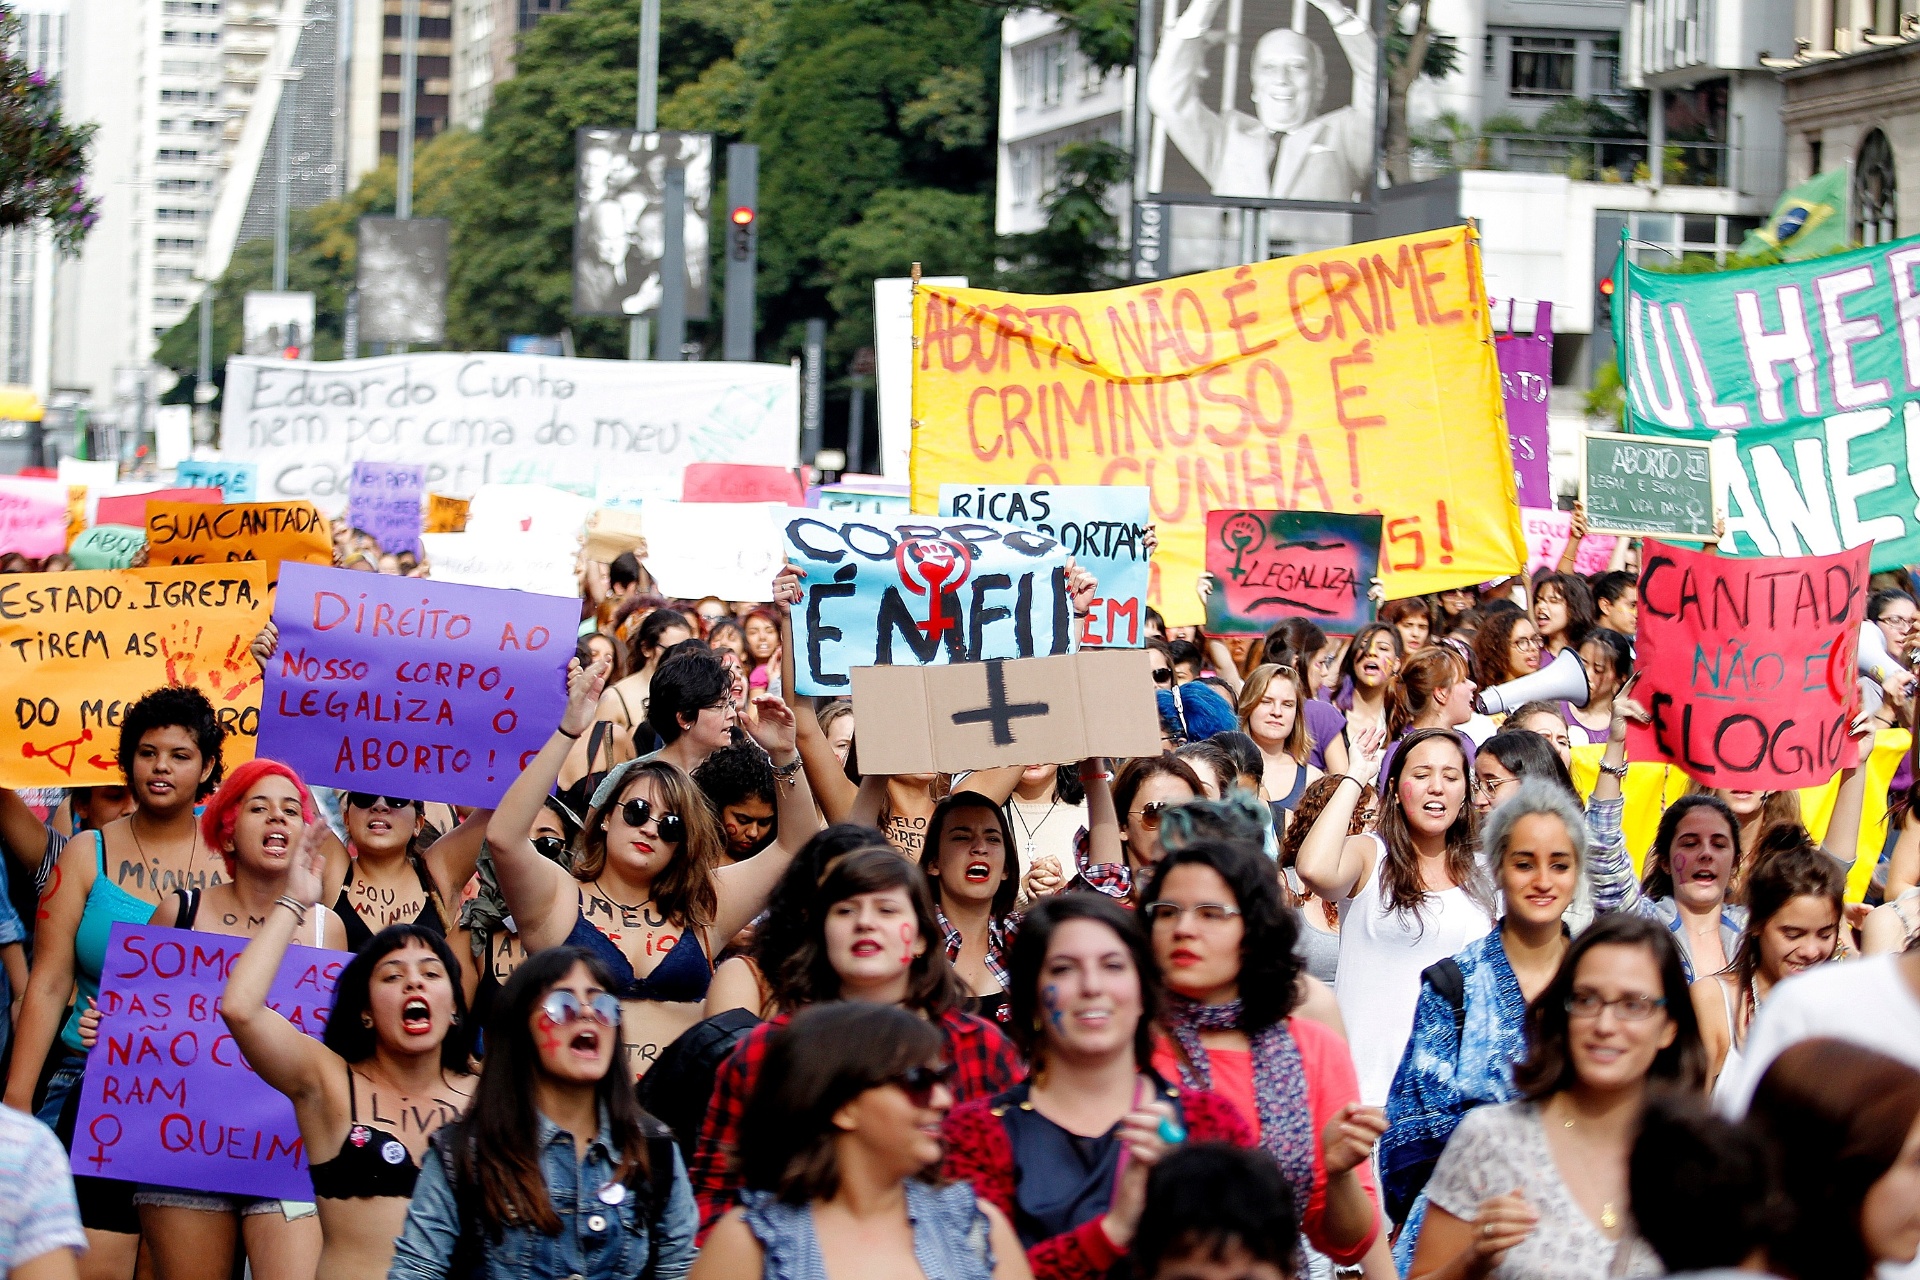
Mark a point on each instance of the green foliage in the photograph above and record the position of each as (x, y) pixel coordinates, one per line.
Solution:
(1584, 118)
(947, 233)
(1075, 252)
(1442, 54)
(1607, 398)
(43, 160)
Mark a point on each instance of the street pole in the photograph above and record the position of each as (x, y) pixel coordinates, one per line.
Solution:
(289, 90)
(673, 267)
(409, 51)
(646, 119)
(203, 372)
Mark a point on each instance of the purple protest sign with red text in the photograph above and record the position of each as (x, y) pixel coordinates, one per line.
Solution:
(167, 1097)
(383, 498)
(410, 687)
(1526, 377)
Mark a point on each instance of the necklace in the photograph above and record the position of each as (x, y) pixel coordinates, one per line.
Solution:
(629, 906)
(1609, 1214)
(1031, 831)
(193, 854)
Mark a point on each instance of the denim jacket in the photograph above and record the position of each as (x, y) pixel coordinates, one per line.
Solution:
(616, 1249)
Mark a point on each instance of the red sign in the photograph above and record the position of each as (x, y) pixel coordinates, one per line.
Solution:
(131, 508)
(740, 482)
(1748, 666)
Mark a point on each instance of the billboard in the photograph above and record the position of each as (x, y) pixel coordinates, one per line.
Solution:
(277, 324)
(403, 279)
(1258, 101)
(619, 228)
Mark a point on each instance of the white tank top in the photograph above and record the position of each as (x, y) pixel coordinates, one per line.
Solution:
(1382, 952)
(1730, 1070)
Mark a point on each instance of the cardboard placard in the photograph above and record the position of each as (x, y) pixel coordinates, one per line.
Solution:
(383, 499)
(107, 546)
(1640, 485)
(417, 688)
(612, 531)
(512, 561)
(920, 591)
(76, 648)
(1269, 565)
(1748, 666)
(167, 1096)
(726, 549)
(1104, 529)
(130, 509)
(33, 516)
(739, 482)
(1547, 535)
(237, 481)
(195, 533)
(979, 715)
(446, 515)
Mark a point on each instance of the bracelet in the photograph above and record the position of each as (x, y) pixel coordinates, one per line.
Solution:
(1347, 777)
(1102, 776)
(1617, 770)
(563, 733)
(294, 905)
(787, 770)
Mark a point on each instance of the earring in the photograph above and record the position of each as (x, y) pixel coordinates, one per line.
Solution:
(366, 1020)
(456, 1020)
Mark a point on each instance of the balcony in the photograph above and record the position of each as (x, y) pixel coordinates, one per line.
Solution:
(1581, 158)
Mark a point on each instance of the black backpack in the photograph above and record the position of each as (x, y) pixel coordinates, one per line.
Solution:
(679, 1086)
(652, 1189)
(1405, 1174)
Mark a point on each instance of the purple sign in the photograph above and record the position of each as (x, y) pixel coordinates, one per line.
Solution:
(1526, 376)
(383, 498)
(167, 1097)
(411, 687)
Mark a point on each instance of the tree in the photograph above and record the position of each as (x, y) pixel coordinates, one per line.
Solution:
(1414, 50)
(1077, 251)
(43, 160)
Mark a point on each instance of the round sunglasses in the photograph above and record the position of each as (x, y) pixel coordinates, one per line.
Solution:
(563, 1008)
(671, 826)
(366, 800)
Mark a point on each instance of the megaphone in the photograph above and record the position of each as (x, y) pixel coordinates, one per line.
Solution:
(1875, 662)
(1565, 678)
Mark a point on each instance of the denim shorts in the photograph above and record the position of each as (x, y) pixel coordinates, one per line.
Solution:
(157, 1197)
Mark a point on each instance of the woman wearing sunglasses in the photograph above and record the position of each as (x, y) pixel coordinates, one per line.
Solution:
(841, 1143)
(487, 931)
(392, 879)
(370, 1094)
(1065, 1154)
(555, 1170)
(648, 892)
(1226, 943)
(1123, 819)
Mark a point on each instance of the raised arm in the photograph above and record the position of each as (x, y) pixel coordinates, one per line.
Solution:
(285, 1057)
(1849, 806)
(743, 887)
(828, 780)
(1576, 534)
(1103, 820)
(536, 890)
(24, 835)
(50, 984)
(1174, 85)
(453, 858)
(1331, 863)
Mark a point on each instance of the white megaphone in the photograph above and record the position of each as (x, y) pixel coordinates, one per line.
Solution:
(1875, 662)
(1563, 678)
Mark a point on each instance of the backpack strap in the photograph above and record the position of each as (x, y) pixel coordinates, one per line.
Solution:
(1445, 978)
(658, 1186)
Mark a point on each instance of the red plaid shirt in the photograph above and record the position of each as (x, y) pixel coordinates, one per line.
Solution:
(985, 1063)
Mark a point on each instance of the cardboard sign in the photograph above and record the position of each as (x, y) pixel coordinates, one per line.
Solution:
(76, 648)
(1269, 565)
(920, 591)
(513, 561)
(1748, 666)
(528, 508)
(167, 1096)
(1547, 535)
(1640, 485)
(413, 687)
(726, 549)
(1526, 379)
(1356, 379)
(107, 546)
(612, 531)
(33, 516)
(979, 715)
(237, 481)
(1104, 529)
(739, 482)
(446, 515)
(193, 533)
(383, 499)
(130, 509)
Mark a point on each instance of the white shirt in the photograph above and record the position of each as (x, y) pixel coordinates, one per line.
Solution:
(1866, 1002)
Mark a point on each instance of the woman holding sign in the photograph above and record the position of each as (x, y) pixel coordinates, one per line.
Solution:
(370, 1095)
(651, 892)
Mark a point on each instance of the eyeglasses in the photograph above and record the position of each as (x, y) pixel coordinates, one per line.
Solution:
(671, 826)
(366, 800)
(1527, 642)
(1150, 814)
(1491, 786)
(550, 847)
(1898, 622)
(563, 1008)
(918, 1083)
(1163, 675)
(1587, 1004)
(1173, 912)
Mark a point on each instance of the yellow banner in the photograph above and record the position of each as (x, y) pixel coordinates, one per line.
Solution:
(76, 648)
(1361, 379)
(208, 533)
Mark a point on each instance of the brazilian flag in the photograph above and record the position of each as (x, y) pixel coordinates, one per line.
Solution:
(1809, 221)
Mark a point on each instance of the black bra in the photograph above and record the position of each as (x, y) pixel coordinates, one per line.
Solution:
(372, 1162)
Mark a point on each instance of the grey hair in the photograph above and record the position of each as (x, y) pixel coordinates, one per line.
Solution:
(1533, 796)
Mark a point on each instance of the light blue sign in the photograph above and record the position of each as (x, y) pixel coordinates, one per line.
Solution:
(920, 591)
(1104, 529)
(236, 481)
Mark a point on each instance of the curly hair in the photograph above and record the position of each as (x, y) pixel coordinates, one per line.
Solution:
(1269, 978)
(1490, 647)
(684, 892)
(733, 774)
(174, 706)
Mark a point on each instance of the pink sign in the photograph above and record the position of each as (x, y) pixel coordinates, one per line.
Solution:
(1526, 378)
(131, 508)
(740, 482)
(33, 516)
(1547, 534)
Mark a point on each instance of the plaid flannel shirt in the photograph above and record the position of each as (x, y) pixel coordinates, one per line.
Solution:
(999, 937)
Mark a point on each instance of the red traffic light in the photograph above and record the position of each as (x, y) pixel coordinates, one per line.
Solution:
(742, 216)
(1606, 286)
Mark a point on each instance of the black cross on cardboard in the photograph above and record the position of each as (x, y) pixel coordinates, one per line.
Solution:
(999, 712)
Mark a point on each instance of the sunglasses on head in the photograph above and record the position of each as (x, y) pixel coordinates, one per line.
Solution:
(671, 826)
(366, 800)
(563, 1008)
(918, 1083)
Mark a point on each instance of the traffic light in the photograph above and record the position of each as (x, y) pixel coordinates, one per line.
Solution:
(740, 234)
(743, 195)
(1603, 302)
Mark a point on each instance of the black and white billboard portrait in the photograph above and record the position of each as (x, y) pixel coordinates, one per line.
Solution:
(402, 279)
(1281, 105)
(620, 228)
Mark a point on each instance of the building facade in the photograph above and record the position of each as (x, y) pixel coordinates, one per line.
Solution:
(374, 80)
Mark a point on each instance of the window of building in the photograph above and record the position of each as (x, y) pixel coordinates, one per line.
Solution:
(1667, 236)
(1542, 67)
(205, 126)
(168, 302)
(1605, 68)
(1040, 73)
(180, 215)
(1092, 78)
(1875, 193)
(175, 155)
(175, 244)
(1022, 164)
(179, 95)
(173, 275)
(1489, 59)
(182, 184)
(189, 37)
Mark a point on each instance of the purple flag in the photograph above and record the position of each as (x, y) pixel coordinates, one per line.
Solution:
(1526, 375)
(411, 687)
(167, 1097)
(383, 498)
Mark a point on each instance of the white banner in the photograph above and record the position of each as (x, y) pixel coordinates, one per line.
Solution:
(726, 549)
(589, 426)
(540, 563)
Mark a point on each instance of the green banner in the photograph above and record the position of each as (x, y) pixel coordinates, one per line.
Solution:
(1806, 377)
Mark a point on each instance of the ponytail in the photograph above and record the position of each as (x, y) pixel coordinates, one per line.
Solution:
(1420, 680)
